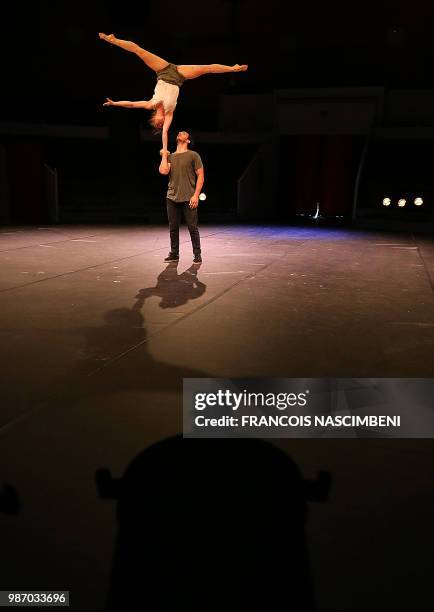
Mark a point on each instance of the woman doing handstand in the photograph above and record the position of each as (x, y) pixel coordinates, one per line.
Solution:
(170, 77)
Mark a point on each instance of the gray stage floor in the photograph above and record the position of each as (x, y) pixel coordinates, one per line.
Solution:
(97, 333)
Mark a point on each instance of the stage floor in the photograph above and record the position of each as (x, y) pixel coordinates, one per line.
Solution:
(97, 333)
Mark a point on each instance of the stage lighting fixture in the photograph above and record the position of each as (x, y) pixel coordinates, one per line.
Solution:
(202, 196)
(402, 202)
(418, 201)
(387, 202)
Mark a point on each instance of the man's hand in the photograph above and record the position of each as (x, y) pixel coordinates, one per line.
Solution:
(164, 164)
(194, 201)
(107, 37)
(109, 102)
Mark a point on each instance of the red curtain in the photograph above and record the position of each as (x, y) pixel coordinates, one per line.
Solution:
(327, 168)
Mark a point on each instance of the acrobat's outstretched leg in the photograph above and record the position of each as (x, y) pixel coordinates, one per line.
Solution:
(150, 59)
(194, 71)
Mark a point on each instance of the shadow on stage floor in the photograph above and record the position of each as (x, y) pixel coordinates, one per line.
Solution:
(97, 334)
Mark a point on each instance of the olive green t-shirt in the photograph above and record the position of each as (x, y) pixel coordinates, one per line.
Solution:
(182, 177)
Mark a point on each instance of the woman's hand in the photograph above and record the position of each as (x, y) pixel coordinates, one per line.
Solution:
(107, 37)
(109, 102)
(239, 68)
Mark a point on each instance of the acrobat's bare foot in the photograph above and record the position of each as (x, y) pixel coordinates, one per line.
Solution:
(240, 68)
(110, 38)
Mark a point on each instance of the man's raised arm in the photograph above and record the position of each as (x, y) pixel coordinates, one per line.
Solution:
(164, 164)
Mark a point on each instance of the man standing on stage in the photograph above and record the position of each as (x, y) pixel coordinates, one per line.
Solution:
(186, 177)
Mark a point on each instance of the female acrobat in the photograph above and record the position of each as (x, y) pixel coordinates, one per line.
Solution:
(170, 77)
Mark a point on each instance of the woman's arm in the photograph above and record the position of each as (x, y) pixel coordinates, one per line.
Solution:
(128, 104)
(166, 125)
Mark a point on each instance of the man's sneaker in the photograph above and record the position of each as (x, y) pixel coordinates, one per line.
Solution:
(172, 257)
(197, 259)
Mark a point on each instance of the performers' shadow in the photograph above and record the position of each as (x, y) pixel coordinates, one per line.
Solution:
(174, 289)
(90, 349)
(123, 337)
(211, 524)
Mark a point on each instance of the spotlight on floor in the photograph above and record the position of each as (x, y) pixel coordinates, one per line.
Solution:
(418, 201)
(402, 202)
(387, 202)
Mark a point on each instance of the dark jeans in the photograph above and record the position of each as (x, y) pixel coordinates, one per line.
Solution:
(174, 215)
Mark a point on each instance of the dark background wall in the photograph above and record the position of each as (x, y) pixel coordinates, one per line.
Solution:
(55, 71)
(54, 67)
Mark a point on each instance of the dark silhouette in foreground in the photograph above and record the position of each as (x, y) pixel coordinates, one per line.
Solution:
(211, 525)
